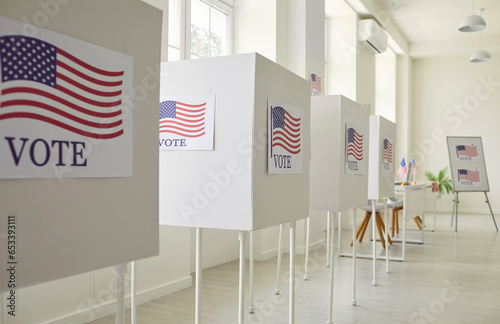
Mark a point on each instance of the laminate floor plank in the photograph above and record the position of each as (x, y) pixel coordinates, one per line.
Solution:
(452, 278)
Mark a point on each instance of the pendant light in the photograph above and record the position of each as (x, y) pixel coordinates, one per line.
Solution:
(472, 23)
(480, 55)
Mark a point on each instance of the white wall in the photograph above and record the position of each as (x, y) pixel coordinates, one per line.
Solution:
(255, 27)
(365, 78)
(305, 34)
(453, 97)
(163, 6)
(403, 105)
(341, 56)
(385, 85)
(315, 37)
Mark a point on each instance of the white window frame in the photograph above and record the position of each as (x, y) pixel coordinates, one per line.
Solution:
(224, 6)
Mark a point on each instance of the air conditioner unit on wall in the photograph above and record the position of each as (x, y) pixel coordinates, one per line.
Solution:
(372, 36)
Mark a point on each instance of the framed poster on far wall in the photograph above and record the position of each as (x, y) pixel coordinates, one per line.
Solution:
(467, 165)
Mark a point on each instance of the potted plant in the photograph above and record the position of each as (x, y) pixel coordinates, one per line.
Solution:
(443, 181)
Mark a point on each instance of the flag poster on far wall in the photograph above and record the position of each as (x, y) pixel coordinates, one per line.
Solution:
(469, 178)
(316, 83)
(65, 106)
(467, 152)
(187, 123)
(355, 144)
(285, 129)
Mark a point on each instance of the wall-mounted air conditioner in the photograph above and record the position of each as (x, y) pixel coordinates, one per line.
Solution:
(372, 36)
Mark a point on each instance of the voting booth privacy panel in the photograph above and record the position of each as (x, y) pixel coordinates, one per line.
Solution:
(79, 175)
(339, 153)
(382, 153)
(254, 177)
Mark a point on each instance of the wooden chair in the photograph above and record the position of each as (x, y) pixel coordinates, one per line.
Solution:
(397, 205)
(378, 222)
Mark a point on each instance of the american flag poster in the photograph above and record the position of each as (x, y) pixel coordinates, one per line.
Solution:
(65, 106)
(469, 178)
(467, 153)
(355, 143)
(187, 123)
(316, 83)
(388, 155)
(285, 123)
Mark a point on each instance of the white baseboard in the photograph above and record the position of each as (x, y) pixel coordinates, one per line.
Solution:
(108, 308)
(462, 210)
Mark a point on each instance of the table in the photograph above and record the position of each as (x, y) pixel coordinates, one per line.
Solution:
(413, 205)
(433, 185)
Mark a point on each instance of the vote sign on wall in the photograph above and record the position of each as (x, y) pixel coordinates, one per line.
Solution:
(354, 149)
(284, 138)
(187, 123)
(65, 106)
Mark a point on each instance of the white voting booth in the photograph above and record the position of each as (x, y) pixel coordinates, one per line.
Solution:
(339, 160)
(381, 173)
(333, 176)
(69, 215)
(249, 181)
(382, 158)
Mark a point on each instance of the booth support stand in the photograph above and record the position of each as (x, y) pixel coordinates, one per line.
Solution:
(291, 315)
(251, 308)
(242, 235)
(330, 310)
(328, 238)
(133, 294)
(374, 281)
(354, 301)
(306, 277)
(120, 293)
(278, 268)
(197, 314)
(387, 238)
(339, 232)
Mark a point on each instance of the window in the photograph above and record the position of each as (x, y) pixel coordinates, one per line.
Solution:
(201, 28)
(175, 45)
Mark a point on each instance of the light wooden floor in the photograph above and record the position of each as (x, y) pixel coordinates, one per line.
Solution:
(452, 278)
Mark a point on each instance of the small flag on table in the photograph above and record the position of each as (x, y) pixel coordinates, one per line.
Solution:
(415, 169)
(403, 169)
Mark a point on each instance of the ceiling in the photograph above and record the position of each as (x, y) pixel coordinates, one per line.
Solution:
(428, 23)
(435, 20)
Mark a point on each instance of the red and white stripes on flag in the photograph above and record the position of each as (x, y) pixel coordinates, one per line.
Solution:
(183, 119)
(286, 130)
(42, 82)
